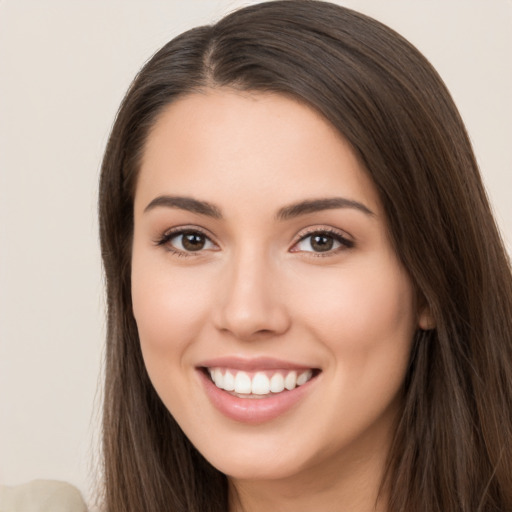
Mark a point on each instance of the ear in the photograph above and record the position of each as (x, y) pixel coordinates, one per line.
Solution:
(426, 320)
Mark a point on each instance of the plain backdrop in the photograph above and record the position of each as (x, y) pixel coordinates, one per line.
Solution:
(64, 68)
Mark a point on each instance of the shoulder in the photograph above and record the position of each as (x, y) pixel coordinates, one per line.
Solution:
(41, 496)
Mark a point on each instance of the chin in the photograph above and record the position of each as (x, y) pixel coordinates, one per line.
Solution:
(263, 455)
(256, 469)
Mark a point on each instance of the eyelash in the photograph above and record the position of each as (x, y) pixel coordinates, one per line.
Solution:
(174, 233)
(344, 242)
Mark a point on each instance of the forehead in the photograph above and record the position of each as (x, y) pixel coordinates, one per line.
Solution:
(238, 144)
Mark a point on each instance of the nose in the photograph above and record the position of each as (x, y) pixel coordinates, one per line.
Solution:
(250, 302)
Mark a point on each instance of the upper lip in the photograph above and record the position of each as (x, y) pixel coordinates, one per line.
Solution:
(252, 364)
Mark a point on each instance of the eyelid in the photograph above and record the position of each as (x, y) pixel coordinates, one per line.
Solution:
(169, 234)
(339, 235)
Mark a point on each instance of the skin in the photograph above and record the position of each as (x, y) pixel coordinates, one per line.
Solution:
(259, 288)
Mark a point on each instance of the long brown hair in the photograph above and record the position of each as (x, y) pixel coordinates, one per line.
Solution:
(452, 450)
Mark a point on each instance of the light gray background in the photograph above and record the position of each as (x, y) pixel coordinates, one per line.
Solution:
(64, 67)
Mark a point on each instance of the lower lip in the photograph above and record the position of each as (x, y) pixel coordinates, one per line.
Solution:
(253, 410)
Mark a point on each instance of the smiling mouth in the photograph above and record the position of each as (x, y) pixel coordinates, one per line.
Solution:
(259, 384)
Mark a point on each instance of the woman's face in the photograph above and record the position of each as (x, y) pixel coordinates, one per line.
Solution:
(261, 257)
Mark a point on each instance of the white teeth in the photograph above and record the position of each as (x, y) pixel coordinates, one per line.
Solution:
(218, 378)
(290, 381)
(229, 382)
(243, 383)
(259, 384)
(302, 378)
(277, 383)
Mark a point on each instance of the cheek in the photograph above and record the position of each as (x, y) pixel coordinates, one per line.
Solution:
(168, 309)
(367, 324)
(365, 317)
(170, 313)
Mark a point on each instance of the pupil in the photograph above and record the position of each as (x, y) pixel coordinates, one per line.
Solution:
(193, 241)
(321, 243)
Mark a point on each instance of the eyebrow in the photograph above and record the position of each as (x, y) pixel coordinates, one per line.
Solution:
(285, 213)
(316, 205)
(185, 203)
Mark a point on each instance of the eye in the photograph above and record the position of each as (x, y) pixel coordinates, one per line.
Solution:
(186, 241)
(322, 242)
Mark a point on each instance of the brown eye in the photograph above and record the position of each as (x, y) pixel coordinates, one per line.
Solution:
(193, 241)
(322, 243)
(187, 242)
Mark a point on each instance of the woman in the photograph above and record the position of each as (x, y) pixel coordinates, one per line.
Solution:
(309, 304)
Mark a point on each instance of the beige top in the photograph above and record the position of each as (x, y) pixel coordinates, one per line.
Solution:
(41, 496)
